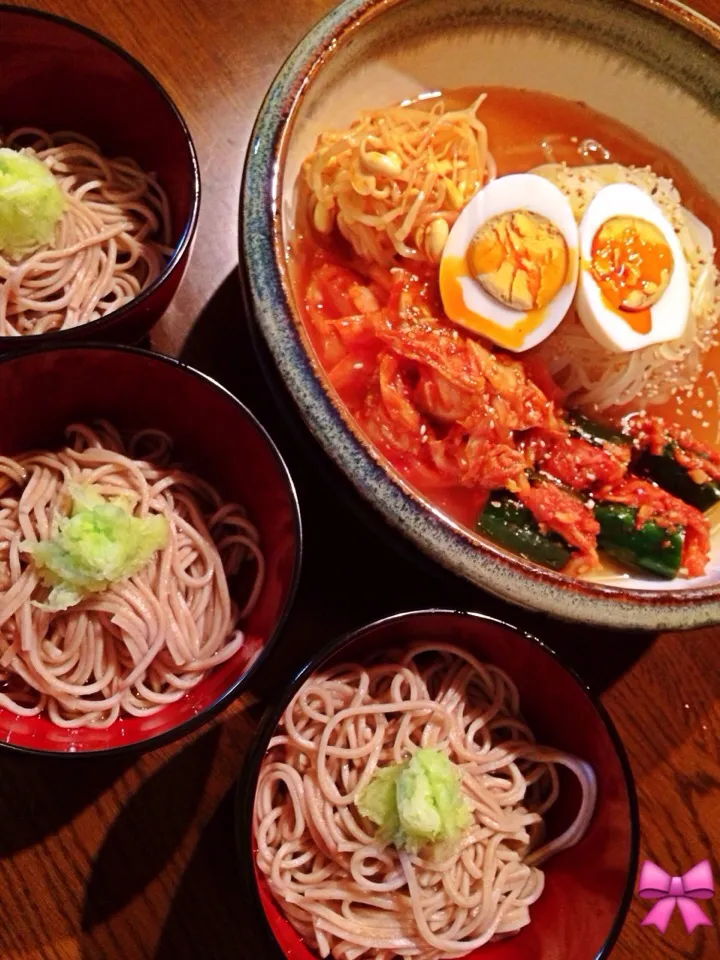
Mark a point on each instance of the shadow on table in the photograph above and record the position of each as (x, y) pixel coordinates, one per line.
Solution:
(206, 918)
(356, 568)
(39, 795)
(148, 830)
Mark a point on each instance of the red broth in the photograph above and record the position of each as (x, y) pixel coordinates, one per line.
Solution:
(522, 125)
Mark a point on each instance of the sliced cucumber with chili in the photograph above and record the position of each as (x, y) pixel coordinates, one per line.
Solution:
(594, 432)
(651, 547)
(648, 547)
(505, 521)
(672, 476)
(662, 468)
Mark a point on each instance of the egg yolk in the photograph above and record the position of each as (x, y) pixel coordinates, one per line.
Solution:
(631, 263)
(520, 259)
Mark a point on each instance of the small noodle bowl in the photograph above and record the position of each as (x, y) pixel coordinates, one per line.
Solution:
(588, 886)
(63, 79)
(225, 608)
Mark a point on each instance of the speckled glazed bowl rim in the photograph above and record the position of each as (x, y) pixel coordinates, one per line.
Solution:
(262, 261)
(95, 328)
(211, 709)
(247, 782)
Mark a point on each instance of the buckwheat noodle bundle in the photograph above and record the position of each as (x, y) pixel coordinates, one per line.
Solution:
(352, 896)
(146, 640)
(112, 241)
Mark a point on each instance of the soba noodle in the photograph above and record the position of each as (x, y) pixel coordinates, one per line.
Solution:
(146, 640)
(353, 896)
(112, 241)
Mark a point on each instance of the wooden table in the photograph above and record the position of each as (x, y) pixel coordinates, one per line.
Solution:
(127, 858)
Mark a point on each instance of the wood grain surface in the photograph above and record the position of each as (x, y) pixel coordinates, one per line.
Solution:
(127, 859)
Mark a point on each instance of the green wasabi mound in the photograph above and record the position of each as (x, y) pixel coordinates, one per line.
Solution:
(99, 543)
(417, 802)
(378, 801)
(31, 203)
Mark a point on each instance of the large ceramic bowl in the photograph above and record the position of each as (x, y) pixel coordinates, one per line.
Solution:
(216, 437)
(652, 65)
(58, 75)
(588, 887)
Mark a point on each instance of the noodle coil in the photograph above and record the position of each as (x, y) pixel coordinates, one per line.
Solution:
(146, 640)
(112, 241)
(353, 896)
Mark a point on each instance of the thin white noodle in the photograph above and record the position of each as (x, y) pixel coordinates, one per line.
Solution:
(595, 377)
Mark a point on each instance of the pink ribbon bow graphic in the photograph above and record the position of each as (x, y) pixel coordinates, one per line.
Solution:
(696, 884)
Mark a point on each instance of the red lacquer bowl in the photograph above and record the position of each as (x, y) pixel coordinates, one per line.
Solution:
(216, 437)
(588, 888)
(59, 75)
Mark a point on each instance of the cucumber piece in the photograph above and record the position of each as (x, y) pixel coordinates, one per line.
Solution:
(594, 432)
(672, 476)
(505, 521)
(649, 547)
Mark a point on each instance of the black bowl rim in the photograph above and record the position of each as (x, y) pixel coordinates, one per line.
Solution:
(96, 327)
(247, 781)
(208, 712)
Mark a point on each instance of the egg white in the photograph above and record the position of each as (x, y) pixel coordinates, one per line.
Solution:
(669, 316)
(522, 191)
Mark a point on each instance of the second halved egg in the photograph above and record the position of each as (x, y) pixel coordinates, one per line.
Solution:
(509, 268)
(634, 287)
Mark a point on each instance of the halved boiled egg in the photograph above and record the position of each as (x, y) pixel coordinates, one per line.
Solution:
(634, 287)
(509, 268)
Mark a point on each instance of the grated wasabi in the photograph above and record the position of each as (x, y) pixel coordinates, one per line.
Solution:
(31, 203)
(417, 802)
(98, 544)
